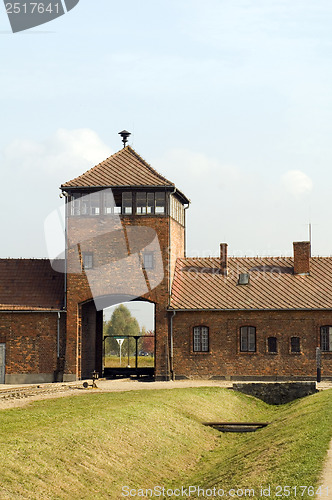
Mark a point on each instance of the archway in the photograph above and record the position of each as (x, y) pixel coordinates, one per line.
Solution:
(114, 352)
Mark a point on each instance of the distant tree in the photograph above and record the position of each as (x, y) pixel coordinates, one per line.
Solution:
(147, 341)
(121, 324)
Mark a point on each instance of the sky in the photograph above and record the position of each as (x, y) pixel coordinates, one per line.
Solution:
(229, 99)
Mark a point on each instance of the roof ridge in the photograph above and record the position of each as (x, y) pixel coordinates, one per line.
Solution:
(153, 170)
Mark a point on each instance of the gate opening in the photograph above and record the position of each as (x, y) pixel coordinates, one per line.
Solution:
(129, 340)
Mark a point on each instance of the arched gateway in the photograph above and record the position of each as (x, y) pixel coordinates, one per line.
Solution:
(125, 228)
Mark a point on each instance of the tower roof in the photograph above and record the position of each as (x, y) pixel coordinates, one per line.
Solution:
(124, 168)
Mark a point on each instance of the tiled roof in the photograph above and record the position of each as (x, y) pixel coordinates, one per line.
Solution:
(124, 168)
(30, 284)
(198, 284)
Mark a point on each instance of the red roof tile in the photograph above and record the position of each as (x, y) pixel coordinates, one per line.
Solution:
(30, 284)
(124, 168)
(198, 284)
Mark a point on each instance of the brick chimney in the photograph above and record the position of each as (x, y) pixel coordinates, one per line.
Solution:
(302, 254)
(223, 258)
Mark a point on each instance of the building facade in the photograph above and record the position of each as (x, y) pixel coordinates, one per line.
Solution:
(222, 318)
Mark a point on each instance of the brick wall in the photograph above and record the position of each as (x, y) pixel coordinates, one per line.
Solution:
(224, 358)
(31, 345)
(111, 247)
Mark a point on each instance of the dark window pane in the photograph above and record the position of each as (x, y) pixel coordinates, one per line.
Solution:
(272, 344)
(118, 202)
(251, 339)
(85, 204)
(127, 203)
(295, 344)
(201, 339)
(244, 339)
(108, 201)
(205, 338)
(150, 203)
(197, 339)
(141, 203)
(95, 204)
(160, 203)
(248, 339)
(326, 338)
(75, 204)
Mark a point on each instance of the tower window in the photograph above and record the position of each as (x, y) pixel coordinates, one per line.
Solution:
(326, 338)
(150, 203)
(112, 202)
(127, 203)
(75, 204)
(295, 344)
(160, 203)
(95, 203)
(88, 260)
(85, 204)
(201, 339)
(248, 339)
(272, 344)
(141, 203)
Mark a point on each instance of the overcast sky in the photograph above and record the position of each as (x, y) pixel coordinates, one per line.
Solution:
(229, 99)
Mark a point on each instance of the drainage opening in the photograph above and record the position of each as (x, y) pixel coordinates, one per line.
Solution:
(236, 426)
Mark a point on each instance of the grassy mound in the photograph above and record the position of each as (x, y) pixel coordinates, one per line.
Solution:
(283, 458)
(91, 446)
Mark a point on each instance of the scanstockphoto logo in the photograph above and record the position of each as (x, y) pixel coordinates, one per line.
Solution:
(24, 15)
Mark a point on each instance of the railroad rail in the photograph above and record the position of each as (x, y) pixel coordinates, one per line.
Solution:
(35, 390)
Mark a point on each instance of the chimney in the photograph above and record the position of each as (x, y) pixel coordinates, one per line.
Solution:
(223, 258)
(302, 254)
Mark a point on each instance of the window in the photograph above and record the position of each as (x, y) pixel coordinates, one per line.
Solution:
(141, 203)
(248, 339)
(127, 203)
(150, 203)
(87, 260)
(326, 338)
(201, 339)
(95, 203)
(148, 260)
(295, 344)
(85, 204)
(160, 203)
(112, 202)
(272, 344)
(75, 203)
(108, 202)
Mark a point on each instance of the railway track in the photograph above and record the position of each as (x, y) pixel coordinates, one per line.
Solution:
(36, 390)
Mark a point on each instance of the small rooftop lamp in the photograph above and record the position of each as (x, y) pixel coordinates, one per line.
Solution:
(124, 134)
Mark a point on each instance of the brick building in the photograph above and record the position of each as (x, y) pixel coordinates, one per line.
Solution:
(228, 318)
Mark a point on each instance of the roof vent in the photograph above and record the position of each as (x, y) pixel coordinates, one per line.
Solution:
(243, 279)
(124, 134)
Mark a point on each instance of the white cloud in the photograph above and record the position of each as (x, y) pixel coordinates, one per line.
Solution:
(37, 169)
(297, 183)
(187, 167)
(68, 152)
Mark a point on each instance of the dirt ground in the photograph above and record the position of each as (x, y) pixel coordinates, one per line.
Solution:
(12, 396)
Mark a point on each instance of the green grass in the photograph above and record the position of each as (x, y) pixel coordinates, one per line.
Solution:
(142, 361)
(90, 446)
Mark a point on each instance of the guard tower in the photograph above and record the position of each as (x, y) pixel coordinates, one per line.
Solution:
(125, 228)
